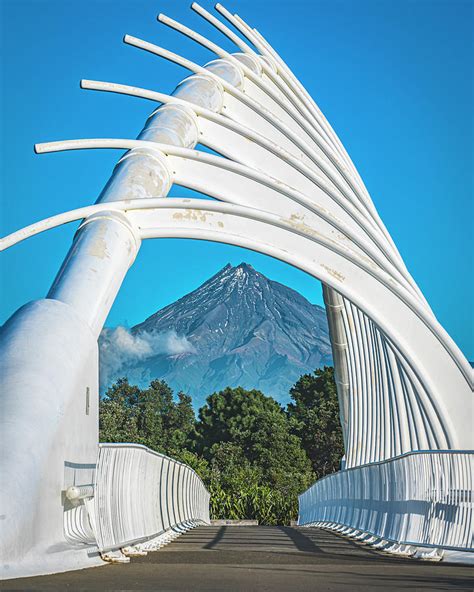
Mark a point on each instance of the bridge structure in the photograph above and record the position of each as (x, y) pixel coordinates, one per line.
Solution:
(283, 185)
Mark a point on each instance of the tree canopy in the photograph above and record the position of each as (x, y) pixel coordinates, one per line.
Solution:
(254, 456)
(240, 429)
(151, 417)
(314, 417)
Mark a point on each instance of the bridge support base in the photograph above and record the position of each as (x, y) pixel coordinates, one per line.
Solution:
(49, 370)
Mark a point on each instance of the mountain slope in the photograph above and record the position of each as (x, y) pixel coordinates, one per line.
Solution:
(238, 328)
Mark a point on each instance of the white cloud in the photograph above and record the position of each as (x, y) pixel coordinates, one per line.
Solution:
(119, 348)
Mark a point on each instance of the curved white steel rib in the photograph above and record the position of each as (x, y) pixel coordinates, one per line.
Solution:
(278, 237)
(269, 72)
(242, 107)
(293, 85)
(221, 184)
(360, 339)
(262, 93)
(231, 139)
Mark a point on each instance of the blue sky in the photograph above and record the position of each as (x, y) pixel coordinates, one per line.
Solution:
(393, 78)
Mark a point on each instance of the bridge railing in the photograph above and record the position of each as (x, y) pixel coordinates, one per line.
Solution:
(420, 498)
(140, 495)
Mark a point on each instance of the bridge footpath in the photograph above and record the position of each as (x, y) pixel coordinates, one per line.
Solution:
(273, 559)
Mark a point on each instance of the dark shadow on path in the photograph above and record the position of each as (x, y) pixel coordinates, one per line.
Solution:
(301, 541)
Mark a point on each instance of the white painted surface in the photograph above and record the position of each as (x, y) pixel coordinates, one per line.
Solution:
(48, 442)
(419, 499)
(141, 495)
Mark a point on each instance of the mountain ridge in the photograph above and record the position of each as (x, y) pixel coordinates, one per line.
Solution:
(238, 328)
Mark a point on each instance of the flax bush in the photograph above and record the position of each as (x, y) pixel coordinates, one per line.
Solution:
(256, 502)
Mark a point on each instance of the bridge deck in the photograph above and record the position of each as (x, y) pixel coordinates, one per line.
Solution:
(260, 558)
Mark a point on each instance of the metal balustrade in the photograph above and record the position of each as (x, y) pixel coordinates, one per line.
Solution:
(420, 499)
(141, 495)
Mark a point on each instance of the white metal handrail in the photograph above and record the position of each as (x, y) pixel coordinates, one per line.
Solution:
(422, 498)
(140, 495)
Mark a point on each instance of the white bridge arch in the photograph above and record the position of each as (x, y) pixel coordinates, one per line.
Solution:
(286, 188)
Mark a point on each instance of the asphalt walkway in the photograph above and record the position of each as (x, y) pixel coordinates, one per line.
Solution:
(263, 559)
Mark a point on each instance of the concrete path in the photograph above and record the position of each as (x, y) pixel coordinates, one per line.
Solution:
(263, 559)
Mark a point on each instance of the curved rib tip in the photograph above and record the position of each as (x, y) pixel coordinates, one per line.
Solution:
(195, 6)
(89, 84)
(126, 38)
(161, 17)
(38, 148)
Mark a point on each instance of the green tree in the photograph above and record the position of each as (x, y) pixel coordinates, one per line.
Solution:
(247, 432)
(314, 417)
(181, 426)
(253, 456)
(230, 468)
(196, 462)
(117, 413)
(148, 416)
